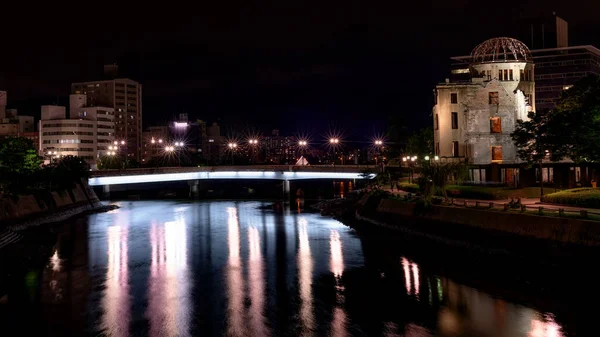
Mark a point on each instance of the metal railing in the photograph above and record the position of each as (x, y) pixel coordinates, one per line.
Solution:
(555, 210)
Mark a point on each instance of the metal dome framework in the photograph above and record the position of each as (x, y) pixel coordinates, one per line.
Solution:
(501, 49)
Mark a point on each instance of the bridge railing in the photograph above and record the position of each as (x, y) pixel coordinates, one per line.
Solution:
(259, 168)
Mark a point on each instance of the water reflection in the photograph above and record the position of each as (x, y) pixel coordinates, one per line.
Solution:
(338, 322)
(256, 284)
(115, 321)
(305, 274)
(245, 269)
(168, 296)
(235, 282)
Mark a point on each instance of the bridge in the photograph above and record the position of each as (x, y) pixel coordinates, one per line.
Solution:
(106, 178)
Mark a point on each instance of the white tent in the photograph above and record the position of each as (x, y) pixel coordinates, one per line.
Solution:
(302, 161)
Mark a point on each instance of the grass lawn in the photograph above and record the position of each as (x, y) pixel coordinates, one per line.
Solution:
(583, 197)
(484, 192)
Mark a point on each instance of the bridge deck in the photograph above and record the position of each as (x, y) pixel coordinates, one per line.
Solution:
(270, 172)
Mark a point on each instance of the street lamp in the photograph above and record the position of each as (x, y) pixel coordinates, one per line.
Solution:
(379, 142)
(302, 143)
(334, 140)
(253, 141)
(426, 157)
(436, 158)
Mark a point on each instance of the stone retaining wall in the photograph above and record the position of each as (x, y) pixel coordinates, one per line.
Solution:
(566, 230)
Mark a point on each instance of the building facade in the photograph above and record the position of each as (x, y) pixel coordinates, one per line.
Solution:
(11, 123)
(475, 114)
(88, 133)
(125, 97)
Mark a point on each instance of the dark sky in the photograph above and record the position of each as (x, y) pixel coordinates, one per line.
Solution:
(292, 65)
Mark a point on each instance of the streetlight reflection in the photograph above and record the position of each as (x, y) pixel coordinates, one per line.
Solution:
(235, 282)
(256, 284)
(305, 274)
(169, 297)
(115, 303)
(338, 322)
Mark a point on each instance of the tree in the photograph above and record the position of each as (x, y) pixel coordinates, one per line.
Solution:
(571, 130)
(18, 155)
(437, 175)
(420, 143)
(534, 139)
(575, 122)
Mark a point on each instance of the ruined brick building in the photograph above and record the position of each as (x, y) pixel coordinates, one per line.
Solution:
(474, 114)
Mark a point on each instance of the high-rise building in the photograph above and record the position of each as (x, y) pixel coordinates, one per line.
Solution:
(125, 97)
(88, 133)
(544, 32)
(279, 149)
(474, 119)
(215, 145)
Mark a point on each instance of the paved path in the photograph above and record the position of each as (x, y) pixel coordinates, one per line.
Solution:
(529, 202)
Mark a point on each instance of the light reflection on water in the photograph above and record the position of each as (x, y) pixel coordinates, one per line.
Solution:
(325, 278)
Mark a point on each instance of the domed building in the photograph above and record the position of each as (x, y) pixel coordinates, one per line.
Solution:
(474, 115)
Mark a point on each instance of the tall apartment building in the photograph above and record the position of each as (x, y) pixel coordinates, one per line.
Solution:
(474, 118)
(87, 133)
(125, 97)
(279, 149)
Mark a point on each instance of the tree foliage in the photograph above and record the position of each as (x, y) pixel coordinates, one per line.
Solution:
(420, 143)
(571, 130)
(18, 155)
(437, 175)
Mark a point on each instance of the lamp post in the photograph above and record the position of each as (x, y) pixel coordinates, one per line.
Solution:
(302, 145)
(253, 144)
(334, 144)
(232, 146)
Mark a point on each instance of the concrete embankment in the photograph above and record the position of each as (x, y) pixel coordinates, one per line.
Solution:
(24, 211)
(552, 238)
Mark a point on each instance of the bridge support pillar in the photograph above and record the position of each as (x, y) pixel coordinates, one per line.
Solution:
(286, 191)
(194, 190)
(106, 191)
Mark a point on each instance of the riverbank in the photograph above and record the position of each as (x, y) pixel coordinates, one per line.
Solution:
(552, 239)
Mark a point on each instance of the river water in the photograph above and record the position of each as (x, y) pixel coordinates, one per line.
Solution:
(168, 268)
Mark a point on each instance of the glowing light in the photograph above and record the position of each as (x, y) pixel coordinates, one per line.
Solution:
(115, 302)
(181, 124)
(160, 141)
(403, 158)
(169, 287)
(337, 260)
(153, 178)
(153, 141)
(232, 145)
(305, 271)
(379, 142)
(122, 142)
(334, 140)
(253, 141)
(436, 158)
(302, 143)
(116, 142)
(546, 328)
(408, 284)
(426, 157)
(55, 261)
(256, 284)
(415, 274)
(235, 282)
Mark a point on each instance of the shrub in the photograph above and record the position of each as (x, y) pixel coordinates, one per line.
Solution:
(412, 188)
(584, 197)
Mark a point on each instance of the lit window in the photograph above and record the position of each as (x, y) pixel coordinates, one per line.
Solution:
(494, 99)
(454, 98)
(455, 120)
(496, 152)
(567, 87)
(495, 125)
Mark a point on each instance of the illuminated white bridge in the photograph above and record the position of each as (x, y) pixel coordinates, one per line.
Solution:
(270, 172)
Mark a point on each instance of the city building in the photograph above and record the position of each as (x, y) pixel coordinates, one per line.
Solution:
(87, 133)
(279, 149)
(125, 97)
(155, 138)
(474, 116)
(11, 123)
(544, 31)
(215, 147)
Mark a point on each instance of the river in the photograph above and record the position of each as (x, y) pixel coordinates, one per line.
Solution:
(171, 268)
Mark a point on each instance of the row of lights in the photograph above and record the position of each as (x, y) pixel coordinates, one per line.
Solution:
(300, 143)
(413, 158)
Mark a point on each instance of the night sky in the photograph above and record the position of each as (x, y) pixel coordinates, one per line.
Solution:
(292, 65)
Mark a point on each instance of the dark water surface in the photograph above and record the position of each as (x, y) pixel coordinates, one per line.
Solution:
(165, 268)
